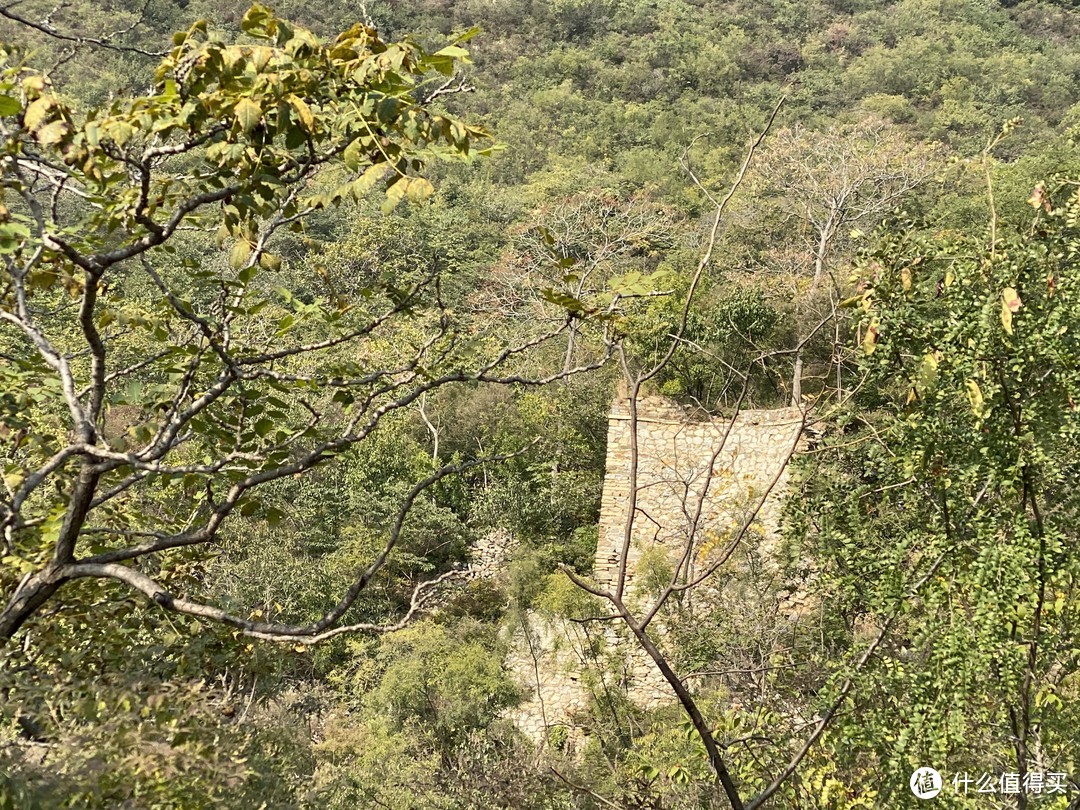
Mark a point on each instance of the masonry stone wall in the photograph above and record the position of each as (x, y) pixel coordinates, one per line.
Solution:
(698, 480)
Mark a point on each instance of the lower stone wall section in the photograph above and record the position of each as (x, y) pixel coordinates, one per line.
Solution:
(562, 667)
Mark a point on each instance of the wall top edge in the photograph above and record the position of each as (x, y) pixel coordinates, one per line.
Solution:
(761, 416)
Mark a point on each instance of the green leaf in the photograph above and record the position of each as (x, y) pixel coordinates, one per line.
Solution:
(9, 105)
(443, 64)
(563, 299)
(468, 34)
(444, 60)
(453, 51)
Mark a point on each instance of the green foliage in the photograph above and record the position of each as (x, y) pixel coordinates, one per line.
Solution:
(229, 135)
(955, 486)
(550, 495)
(436, 680)
(152, 728)
(727, 330)
(961, 418)
(369, 764)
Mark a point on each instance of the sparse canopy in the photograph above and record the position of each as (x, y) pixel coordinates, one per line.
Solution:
(150, 384)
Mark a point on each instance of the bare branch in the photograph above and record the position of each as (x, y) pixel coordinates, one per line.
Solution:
(46, 27)
(107, 565)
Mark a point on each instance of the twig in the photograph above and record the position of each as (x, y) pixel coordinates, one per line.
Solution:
(587, 791)
(46, 28)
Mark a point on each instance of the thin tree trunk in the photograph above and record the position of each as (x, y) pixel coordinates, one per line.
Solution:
(796, 379)
(825, 235)
(689, 705)
(32, 593)
(36, 589)
(568, 361)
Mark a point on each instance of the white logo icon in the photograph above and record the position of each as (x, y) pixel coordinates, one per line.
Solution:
(926, 783)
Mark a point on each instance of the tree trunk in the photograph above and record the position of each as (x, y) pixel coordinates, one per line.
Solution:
(32, 593)
(568, 360)
(825, 235)
(796, 380)
(35, 590)
(689, 705)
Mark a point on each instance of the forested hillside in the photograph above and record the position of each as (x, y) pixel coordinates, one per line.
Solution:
(302, 303)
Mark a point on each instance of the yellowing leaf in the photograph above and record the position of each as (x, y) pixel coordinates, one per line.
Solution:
(34, 86)
(870, 338)
(255, 20)
(53, 133)
(1010, 303)
(1039, 199)
(905, 278)
(23, 565)
(247, 113)
(975, 397)
(120, 131)
(419, 189)
(37, 113)
(269, 261)
(239, 254)
(395, 193)
(927, 371)
(853, 301)
(260, 57)
(353, 155)
(303, 112)
(366, 182)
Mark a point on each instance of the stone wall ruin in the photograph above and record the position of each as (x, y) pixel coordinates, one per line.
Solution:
(699, 479)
